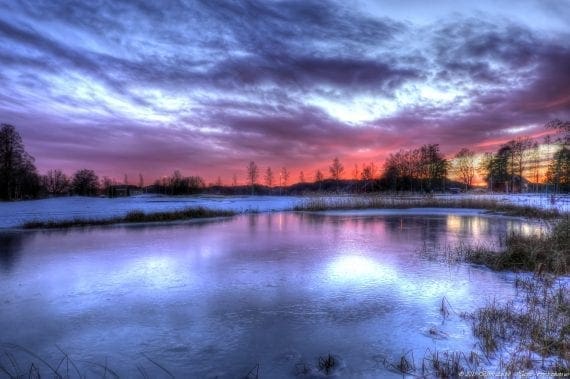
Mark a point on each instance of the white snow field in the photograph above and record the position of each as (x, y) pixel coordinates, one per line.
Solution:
(14, 214)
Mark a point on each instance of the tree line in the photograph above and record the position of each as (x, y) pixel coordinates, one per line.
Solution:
(518, 165)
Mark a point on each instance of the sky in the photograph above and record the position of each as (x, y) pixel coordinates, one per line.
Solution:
(204, 87)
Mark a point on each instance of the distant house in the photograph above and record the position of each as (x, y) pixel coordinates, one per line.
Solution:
(517, 184)
(123, 190)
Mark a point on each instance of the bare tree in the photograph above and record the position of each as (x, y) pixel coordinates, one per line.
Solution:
(252, 174)
(106, 184)
(534, 164)
(518, 150)
(56, 182)
(234, 180)
(268, 177)
(464, 166)
(367, 176)
(558, 172)
(283, 179)
(301, 177)
(336, 169)
(559, 162)
(141, 181)
(408, 168)
(319, 177)
(355, 172)
(284, 176)
(562, 128)
(483, 169)
(85, 183)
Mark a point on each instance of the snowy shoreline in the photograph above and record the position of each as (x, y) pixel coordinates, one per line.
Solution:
(15, 214)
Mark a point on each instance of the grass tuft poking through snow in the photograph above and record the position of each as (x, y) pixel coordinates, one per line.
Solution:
(132, 217)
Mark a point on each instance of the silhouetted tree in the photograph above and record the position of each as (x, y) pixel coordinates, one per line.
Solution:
(234, 180)
(367, 175)
(355, 172)
(499, 168)
(283, 179)
(563, 129)
(18, 176)
(397, 171)
(336, 169)
(519, 148)
(464, 166)
(319, 177)
(424, 167)
(177, 184)
(268, 177)
(185, 185)
(534, 164)
(252, 174)
(55, 182)
(141, 181)
(483, 168)
(284, 176)
(508, 165)
(301, 177)
(85, 183)
(433, 167)
(558, 172)
(106, 184)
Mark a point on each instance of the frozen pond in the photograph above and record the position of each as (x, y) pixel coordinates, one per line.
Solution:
(214, 298)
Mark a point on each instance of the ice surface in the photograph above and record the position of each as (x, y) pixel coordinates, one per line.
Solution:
(216, 297)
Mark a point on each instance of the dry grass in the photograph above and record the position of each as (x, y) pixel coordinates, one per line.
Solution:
(537, 325)
(532, 331)
(545, 252)
(436, 364)
(393, 202)
(548, 252)
(131, 218)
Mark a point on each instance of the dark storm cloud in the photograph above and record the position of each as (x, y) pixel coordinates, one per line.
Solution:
(154, 84)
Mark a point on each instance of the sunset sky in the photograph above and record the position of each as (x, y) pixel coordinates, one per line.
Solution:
(206, 86)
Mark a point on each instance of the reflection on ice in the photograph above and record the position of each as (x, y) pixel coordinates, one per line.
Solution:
(207, 299)
(346, 269)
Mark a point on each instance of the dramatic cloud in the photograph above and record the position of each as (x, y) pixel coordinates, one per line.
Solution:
(205, 87)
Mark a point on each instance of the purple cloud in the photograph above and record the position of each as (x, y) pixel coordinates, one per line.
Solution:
(205, 87)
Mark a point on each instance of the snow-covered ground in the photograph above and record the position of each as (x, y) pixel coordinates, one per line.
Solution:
(14, 214)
